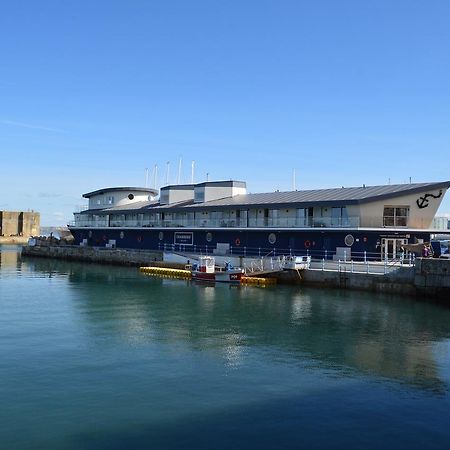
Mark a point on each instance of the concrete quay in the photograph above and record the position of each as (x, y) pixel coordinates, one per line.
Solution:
(13, 240)
(101, 255)
(428, 278)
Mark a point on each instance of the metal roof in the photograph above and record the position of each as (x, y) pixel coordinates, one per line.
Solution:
(131, 207)
(116, 189)
(298, 199)
(229, 183)
(325, 197)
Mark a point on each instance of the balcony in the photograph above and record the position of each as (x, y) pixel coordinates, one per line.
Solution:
(310, 222)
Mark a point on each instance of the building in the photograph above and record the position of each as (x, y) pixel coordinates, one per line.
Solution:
(221, 217)
(23, 223)
(441, 223)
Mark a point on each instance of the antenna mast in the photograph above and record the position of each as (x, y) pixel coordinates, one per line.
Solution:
(192, 171)
(155, 175)
(167, 172)
(179, 170)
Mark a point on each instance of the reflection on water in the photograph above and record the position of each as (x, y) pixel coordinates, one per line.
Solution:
(105, 357)
(9, 256)
(381, 336)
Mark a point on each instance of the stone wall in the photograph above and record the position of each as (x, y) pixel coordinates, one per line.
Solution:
(9, 223)
(18, 223)
(398, 282)
(432, 277)
(96, 254)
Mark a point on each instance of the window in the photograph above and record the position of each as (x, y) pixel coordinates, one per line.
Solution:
(301, 216)
(395, 216)
(199, 196)
(110, 200)
(339, 216)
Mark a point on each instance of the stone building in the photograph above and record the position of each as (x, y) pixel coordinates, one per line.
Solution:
(19, 223)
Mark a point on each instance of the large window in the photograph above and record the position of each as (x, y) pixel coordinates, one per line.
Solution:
(395, 216)
(339, 216)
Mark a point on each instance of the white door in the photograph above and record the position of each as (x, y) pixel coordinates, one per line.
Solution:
(392, 248)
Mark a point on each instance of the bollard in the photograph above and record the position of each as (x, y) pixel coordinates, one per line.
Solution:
(365, 256)
(323, 264)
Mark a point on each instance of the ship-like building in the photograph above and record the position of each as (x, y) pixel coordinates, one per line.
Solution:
(221, 217)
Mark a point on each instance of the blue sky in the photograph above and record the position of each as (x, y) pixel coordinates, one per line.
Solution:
(93, 92)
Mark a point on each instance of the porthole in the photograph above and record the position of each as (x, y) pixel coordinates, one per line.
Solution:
(130, 196)
(349, 240)
(209, 237)
(161, 236)
(272, 238)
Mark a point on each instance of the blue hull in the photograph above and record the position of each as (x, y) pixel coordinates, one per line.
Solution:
(247, 242)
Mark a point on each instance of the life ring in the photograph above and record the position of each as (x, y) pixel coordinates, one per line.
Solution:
(307, 243)
(237, 242)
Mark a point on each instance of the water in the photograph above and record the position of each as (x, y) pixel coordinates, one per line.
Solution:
(97, 357)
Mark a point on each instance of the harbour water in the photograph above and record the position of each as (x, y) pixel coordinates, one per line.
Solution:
(103, 357)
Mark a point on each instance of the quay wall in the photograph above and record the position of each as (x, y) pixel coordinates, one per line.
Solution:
(430, 278)
(14, 240)
(399, 282)
(96, 254)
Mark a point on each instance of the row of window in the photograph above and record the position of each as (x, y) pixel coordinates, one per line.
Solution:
(393, 216)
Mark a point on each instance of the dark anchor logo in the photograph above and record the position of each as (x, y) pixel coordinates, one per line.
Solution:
(423, 202)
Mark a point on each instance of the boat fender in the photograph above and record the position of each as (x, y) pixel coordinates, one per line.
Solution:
(307, 244)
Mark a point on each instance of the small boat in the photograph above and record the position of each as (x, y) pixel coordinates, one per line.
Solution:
(296, 262)
(206, 270)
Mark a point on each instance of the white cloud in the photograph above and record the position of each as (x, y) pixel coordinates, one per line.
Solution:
(31, 126)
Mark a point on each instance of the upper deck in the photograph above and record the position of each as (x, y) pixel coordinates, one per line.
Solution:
(226, 204)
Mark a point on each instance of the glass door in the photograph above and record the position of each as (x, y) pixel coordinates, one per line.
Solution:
(392, 248)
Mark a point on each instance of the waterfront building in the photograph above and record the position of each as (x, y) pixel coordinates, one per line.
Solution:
(19, 223)
(441, 223)
(221, 217)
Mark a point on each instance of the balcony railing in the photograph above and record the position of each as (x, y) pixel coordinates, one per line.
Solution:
(310, 222)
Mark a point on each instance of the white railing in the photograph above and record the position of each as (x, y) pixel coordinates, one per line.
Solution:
(328, 222)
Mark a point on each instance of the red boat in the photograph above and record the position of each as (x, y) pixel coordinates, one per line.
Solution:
(206, 270)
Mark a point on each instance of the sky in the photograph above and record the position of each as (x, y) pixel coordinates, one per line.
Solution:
(343, 92)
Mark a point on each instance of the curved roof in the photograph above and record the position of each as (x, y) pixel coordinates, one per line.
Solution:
(121, 189)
